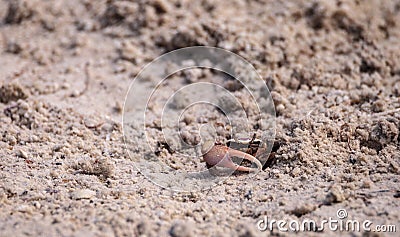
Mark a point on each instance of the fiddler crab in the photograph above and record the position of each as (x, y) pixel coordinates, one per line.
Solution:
(218, 155)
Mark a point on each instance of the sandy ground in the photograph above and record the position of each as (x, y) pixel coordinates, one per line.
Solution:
(333, 68)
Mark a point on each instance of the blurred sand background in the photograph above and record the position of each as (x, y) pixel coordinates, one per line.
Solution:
(333, 68)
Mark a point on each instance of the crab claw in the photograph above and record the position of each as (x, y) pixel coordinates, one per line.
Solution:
(220, 155)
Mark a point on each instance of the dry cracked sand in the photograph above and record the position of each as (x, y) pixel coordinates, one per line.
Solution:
(333, 68)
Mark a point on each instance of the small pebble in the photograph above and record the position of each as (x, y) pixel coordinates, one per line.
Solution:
(23, 154)
(181, 229)
(24, 209)
(83, 194)
(296, 171)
